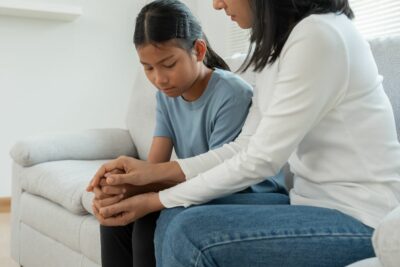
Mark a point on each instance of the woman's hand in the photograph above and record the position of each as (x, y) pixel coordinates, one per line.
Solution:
(128, 210)
(132, 171)
(138, 173)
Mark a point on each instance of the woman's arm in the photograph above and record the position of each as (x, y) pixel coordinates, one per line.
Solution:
(160, 151)
(311, 78)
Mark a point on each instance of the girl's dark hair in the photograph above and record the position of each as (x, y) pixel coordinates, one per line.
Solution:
(164, 20)
(274, 20)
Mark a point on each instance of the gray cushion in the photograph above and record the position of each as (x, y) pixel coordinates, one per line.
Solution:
(63, 182)
(387, 55)
(371, 262)
(386, 239)
(82, 145)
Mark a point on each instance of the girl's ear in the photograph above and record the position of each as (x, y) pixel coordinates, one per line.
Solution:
(200, 49)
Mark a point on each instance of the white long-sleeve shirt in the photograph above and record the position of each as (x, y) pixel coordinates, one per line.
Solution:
(320, 106)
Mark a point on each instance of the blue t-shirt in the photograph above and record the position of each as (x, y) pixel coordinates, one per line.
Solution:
(214, 119)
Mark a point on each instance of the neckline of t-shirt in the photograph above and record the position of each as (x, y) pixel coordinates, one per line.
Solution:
(207, 92)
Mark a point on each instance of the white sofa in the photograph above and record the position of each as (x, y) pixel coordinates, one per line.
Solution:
(51, 220)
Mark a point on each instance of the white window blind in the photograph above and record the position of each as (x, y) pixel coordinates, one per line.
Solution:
(238, 41)
(376, 18)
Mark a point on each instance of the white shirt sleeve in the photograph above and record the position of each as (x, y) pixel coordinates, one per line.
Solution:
(311, 80)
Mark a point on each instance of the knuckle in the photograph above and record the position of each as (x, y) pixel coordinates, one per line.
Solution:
(125, 221)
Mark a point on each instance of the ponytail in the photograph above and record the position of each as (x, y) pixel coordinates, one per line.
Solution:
(212, 59)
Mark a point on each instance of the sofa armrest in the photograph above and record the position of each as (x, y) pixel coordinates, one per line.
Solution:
(92, 144)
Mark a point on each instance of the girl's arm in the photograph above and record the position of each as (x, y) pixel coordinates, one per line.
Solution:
(160, 150)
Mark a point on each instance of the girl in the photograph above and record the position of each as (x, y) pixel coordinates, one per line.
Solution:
(320, 106)
(200, 106)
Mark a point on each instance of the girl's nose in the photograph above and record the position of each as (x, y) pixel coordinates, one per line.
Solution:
(161, 80)
(218, 4)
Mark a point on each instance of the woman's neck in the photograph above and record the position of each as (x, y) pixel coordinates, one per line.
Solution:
(199, 85)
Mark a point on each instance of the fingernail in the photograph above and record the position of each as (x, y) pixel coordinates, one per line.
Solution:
(121, 196)
(107, 174)
(123, 190)
(110, 180)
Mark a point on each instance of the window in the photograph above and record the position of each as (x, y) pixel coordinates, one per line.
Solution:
(375, 18)
(238, 41)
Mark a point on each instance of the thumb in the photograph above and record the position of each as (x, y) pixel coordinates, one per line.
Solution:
(114, 209)
(119, 179)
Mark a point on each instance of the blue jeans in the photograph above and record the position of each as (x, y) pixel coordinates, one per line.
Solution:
(259, 229)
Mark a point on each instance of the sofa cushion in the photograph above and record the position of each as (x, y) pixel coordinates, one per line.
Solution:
(61, 226)
(62, 182)
(387, 57)
(87, 200)
(371, 262)
(386, 239)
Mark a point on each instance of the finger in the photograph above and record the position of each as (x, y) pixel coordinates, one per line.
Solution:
(103, 182)
(113, 190)
(106, 167)
(99, 194)
(96, 179)
(98, 215)
(119, 179)
(108, 201)
(121, 219)
(115, 209)
(115, 171)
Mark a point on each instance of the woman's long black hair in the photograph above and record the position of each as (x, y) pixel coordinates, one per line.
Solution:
(164, 20)
(274, 20)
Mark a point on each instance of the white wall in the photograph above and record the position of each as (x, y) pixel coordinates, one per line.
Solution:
(215, 25)
(66, 76)
(57, 76)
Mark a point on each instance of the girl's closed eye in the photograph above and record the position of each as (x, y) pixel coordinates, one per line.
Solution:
(147, 67)
(170, 66)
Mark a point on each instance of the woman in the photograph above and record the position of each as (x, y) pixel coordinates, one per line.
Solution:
(320, 106)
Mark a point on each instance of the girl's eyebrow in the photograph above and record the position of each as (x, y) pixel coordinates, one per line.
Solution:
(162, 60)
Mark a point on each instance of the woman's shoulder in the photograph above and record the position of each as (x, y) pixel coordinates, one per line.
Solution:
(325, 33)
(324, 25)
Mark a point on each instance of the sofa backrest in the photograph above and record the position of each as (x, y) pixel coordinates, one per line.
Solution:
(140, 119)
(387, 56)
(141, 113)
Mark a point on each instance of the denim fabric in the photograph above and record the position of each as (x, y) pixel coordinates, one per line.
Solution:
(259, 230)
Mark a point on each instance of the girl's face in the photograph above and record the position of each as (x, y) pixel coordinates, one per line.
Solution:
(238, 10)
(169, 68)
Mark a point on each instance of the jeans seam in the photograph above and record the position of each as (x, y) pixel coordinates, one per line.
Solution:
(201, 251)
